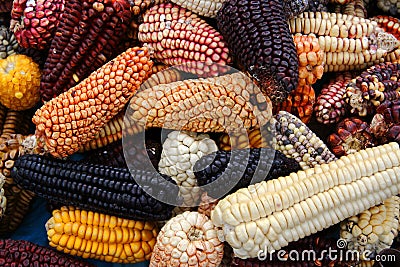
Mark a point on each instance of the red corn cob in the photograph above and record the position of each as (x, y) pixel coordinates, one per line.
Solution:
(34, 22)
(85, 39)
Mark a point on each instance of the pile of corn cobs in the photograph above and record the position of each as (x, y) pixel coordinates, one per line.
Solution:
(201, 133)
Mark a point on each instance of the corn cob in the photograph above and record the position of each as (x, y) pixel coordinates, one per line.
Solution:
(8, 43)
(3, 199)
(330, 107)
(351, 135)
(299, 103)
(263, 45)
(201, 105)
(203, 8)
(165, 76)
(296, 140)
(294, 8)
(84, 40)
(340, 2)
(87, 186)
(6, 5)
(95, 235)
(12, 122)
(34, 22)
(307, 201)
(253, 139)
(25, 253)
(70, 120)
(252, 166)
(390, 25)
(139, 7)
(189, 239)
(349, 42)
(20, 79)
(385, 124)
(178, 36)
(389, 6)
(181, 151)
(372, 87)
(207, 204)
(373, 229)
(317, 5)
(12, 146)
(353, 8)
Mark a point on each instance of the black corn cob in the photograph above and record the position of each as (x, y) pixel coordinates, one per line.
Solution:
(85, 39)
(25, 253)
(258, 34)
(104, 189)
(249, 164)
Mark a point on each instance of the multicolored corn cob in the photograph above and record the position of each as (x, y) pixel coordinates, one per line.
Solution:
(373, 229)
(189, 239)
(6, 5)
(72, 119)
(351, 135)
(115, 191)
(330, 107)
(25, 253)
(317, 5)
(8, 43)
(299, 103)
(252, 139)
(392, 26)
(178, 36)
(375, 85)
(353, 8)
(181, 151)
(296, 140)
(225, 103)
(95, 235)
(34, 22)
(85, 39)
(263, 45)
(20, 81)
(250, 165)
(385, 124)
(270, 215)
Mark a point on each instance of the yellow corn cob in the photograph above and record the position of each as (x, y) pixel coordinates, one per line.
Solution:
(225, 103)
(268, 215)
(373, 229)
(94, 235)
(73, 118)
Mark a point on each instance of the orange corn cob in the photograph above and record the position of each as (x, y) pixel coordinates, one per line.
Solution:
(70, 120)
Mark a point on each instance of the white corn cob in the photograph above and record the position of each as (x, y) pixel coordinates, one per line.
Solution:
(268, 215)
(206, 8)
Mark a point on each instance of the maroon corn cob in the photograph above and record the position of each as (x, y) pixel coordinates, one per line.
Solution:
(85, 39)
(25, 253)
(6, 5)
(386, 123)
(34, 22)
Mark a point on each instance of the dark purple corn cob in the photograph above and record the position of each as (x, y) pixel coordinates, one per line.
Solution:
(105, 189)
(85, 39)
(24, 253)
(252, 165)
(258, 34)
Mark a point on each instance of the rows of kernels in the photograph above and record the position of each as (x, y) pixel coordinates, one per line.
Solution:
(100, 236)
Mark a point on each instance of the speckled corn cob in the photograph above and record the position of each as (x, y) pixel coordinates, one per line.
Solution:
(330, 106)
(115, 191)
(12, 146)
(296, 140)
(178, 36)
(392, 26)
(372, 87)
(293, 8)
(351, 135)
(317, 5)
(353, 8)
(252, 139)
(70, 120)
(389, 6)
(25, 253)
(299, 103)
(263, 45)
(181, 151)
(254, 165)
(34, 22)
(20, 81)
(373, 229)
(94, 235)
(8, 43)
(6, 5)
(207, 8)
(85, 39)
(385, 125)
(189, 239)
(201, 105)
(272, 214)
